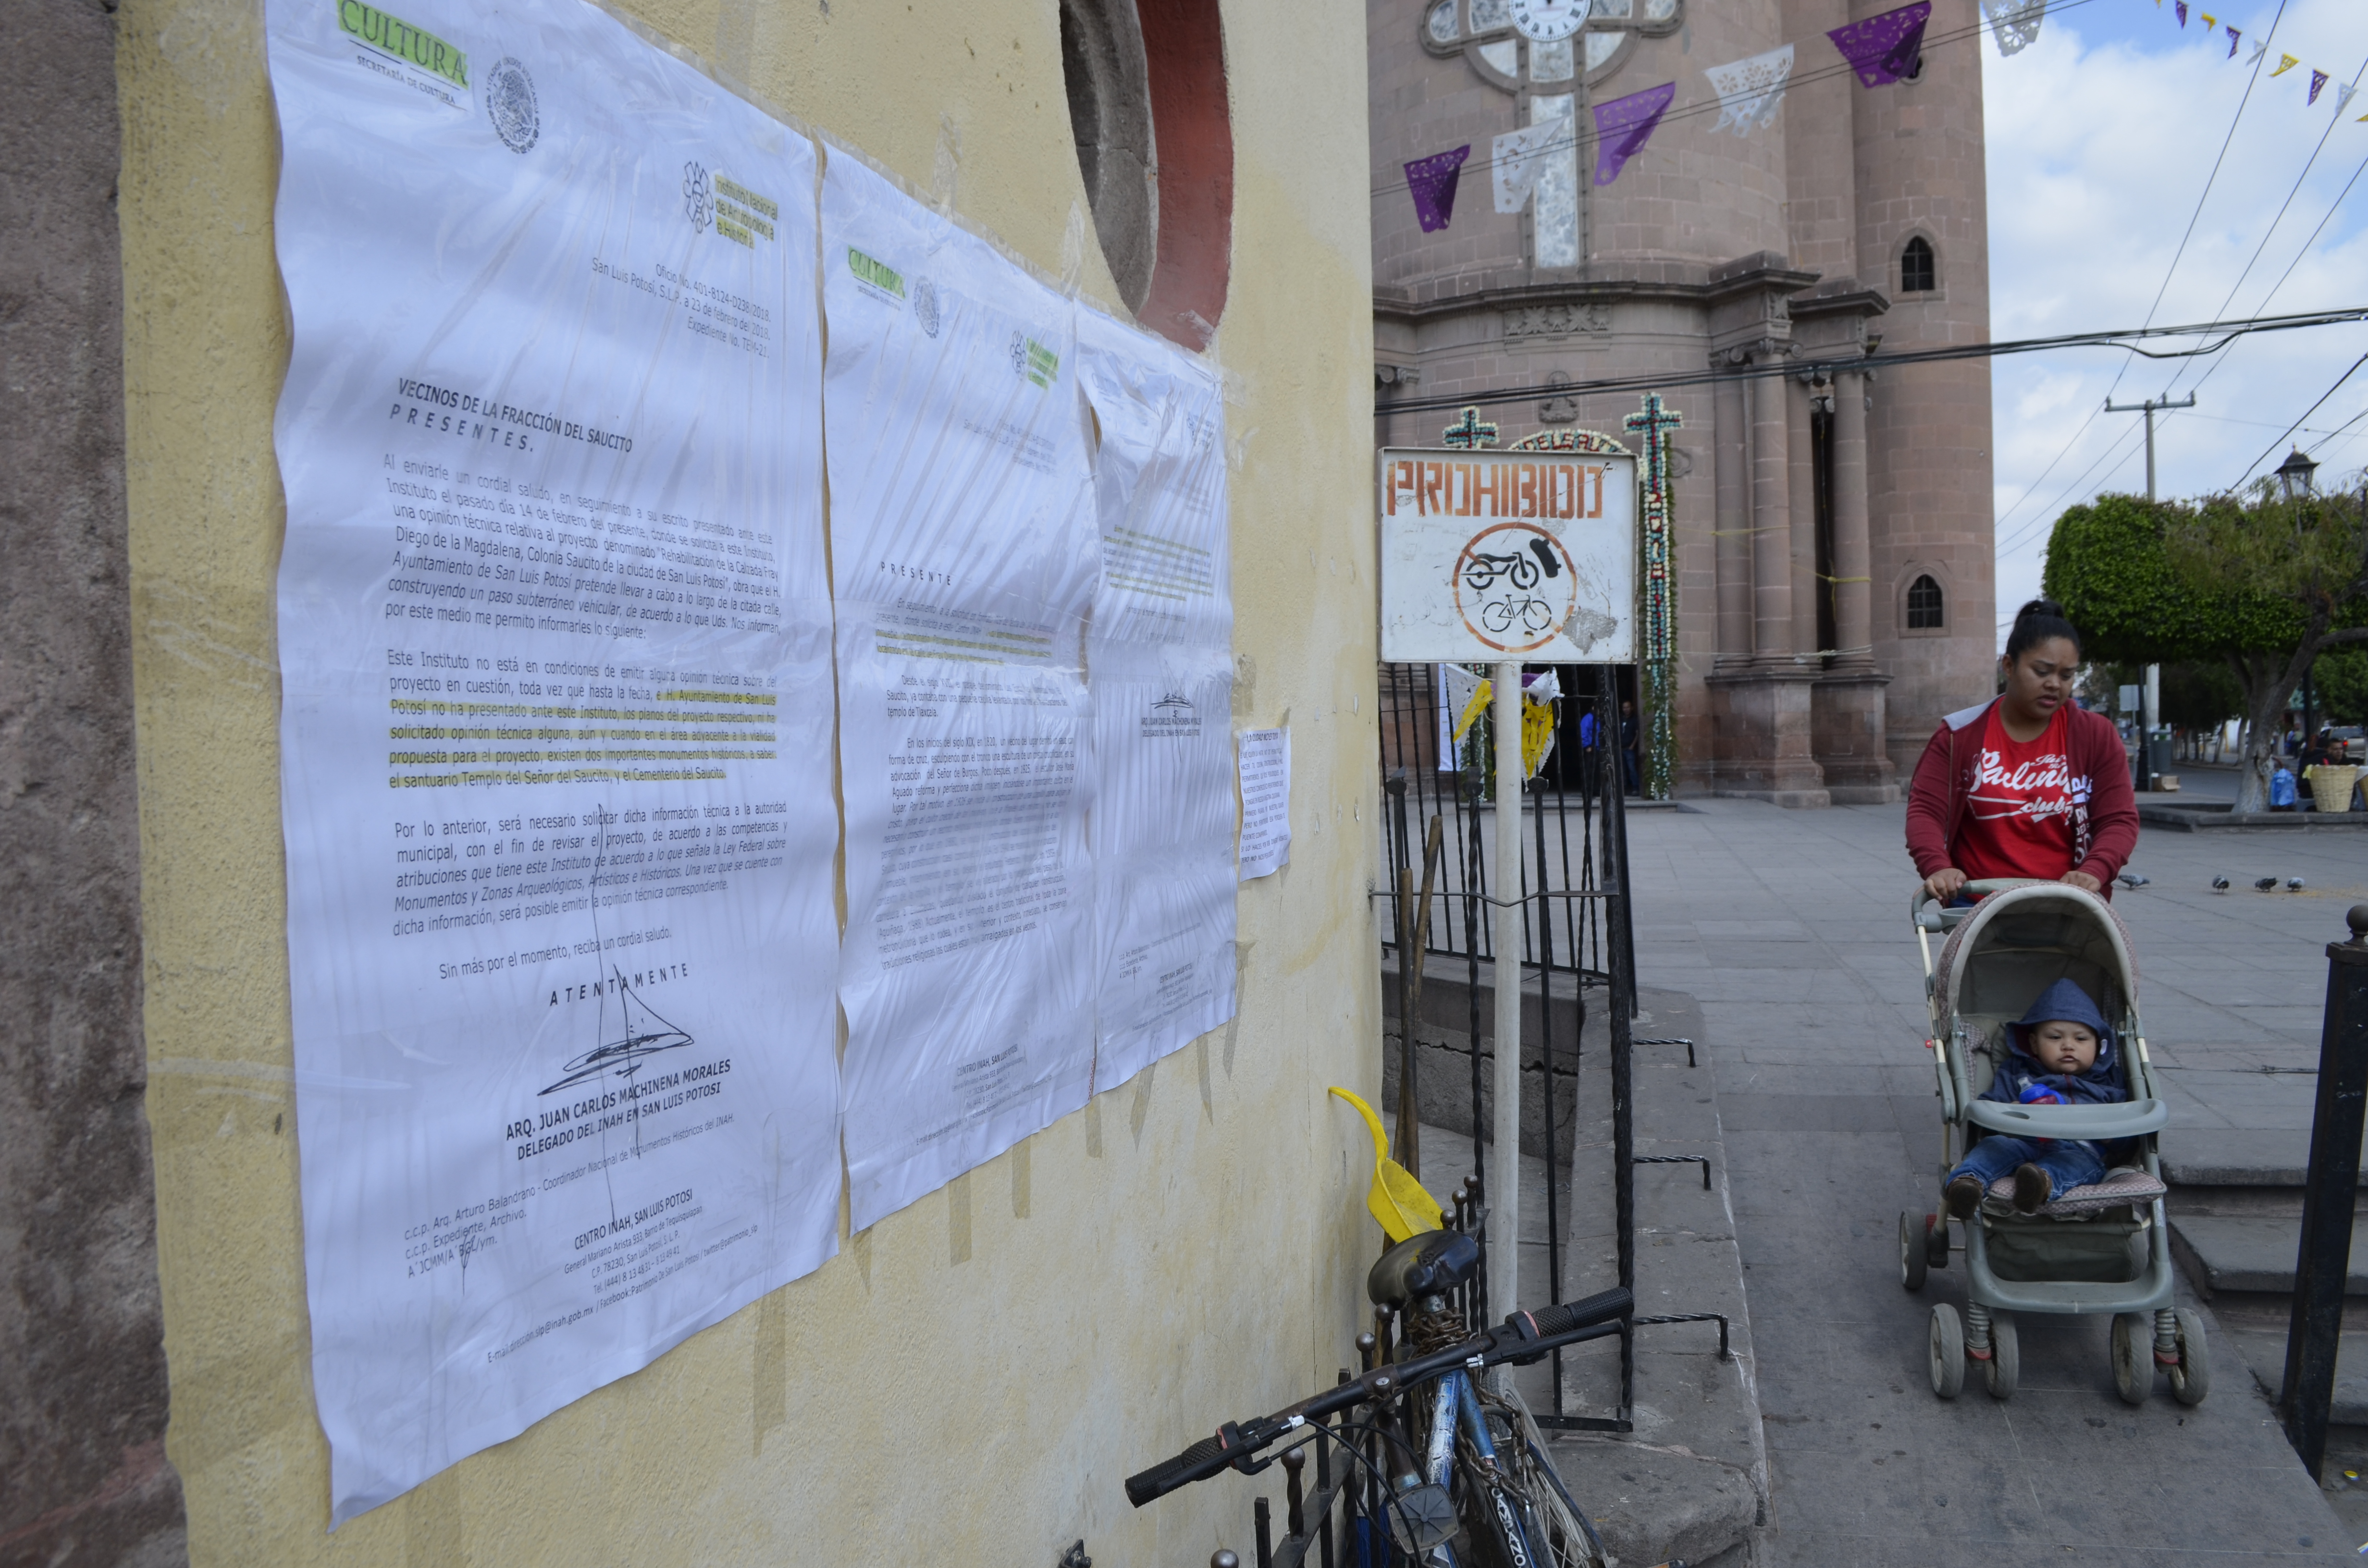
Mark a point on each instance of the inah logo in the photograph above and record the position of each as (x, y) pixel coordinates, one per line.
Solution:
(925, 305)
(698, 200)
(510, 104)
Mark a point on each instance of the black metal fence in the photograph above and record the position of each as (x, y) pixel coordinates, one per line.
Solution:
(1577, 934)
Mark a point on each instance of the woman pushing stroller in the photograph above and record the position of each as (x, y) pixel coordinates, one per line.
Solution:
(2027, 784)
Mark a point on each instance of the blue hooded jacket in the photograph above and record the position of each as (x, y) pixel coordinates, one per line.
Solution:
(2100, 1085)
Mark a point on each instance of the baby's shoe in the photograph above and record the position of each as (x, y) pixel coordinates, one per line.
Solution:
(2032, 1188)
(1964, 1196)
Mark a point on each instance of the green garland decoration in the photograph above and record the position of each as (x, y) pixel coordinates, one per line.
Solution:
(1657, 593)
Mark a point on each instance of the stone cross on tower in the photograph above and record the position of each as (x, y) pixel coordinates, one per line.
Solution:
(1470, 432)
(1549, 82)
(1657, 596)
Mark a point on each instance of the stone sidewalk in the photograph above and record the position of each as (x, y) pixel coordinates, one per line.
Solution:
(1790, 928)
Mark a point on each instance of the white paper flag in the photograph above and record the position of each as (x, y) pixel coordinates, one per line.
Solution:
(554, 650)
(2343, 95)
(1516, 156)
(1751, 91)
(964, 545)
(1161, 660)
(2014, 23)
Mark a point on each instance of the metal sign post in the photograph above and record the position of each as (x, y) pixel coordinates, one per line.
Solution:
(2322, 1259)
(1502, 557)
(1505, 936)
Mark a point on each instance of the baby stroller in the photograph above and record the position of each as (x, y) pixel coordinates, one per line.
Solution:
(2099, 1248)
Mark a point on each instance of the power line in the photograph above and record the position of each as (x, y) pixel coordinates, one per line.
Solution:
(2308, 164)
(2202, 196)
(2297, 424)
(2128, 338)
(2047, 514)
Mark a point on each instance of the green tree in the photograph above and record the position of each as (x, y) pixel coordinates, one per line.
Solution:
(2339, 682)
(2259, 584)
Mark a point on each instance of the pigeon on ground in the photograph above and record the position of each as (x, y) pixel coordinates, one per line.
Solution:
(2266, 883)
(2219, 884)
(2132, 880)
(2294, 884)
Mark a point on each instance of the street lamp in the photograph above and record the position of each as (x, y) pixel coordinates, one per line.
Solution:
(2295, 473)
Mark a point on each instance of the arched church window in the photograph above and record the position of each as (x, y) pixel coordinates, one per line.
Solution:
(1917, 275)
(1924, 605)
(1149, 113)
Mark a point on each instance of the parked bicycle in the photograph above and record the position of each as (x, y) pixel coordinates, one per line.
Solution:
(1452, 1469)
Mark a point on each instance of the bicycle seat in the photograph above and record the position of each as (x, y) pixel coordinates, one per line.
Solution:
(1422, 1265)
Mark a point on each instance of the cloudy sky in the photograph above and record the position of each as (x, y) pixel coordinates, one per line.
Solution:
(2103, 138)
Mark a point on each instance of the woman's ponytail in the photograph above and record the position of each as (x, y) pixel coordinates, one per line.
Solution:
(2037, 622)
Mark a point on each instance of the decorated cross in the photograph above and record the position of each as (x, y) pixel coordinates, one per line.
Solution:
(1469, 431)
(1658, 594)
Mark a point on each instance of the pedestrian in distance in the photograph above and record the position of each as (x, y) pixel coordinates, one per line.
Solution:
(2028, 784)
(1628, 746)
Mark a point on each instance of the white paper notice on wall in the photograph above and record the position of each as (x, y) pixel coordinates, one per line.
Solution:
(1162, 660)
(1266, 803)
(962, 538)
(1506, 555)
(554, 643)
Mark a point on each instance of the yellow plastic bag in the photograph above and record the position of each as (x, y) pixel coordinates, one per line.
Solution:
(1398, 1201)
(1537, 726)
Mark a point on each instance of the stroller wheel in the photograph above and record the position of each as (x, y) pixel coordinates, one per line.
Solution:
(1948, 1351)
(1911, 1252)
(2004, 1369)
(2132, 1357)
(2191, 1379)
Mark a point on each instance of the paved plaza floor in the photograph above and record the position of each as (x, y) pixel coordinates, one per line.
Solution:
(1791, 930)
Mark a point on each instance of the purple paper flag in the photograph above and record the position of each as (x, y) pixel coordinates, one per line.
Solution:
(2233, 35)
(1432, 180)
(1625, 125)
(1884, 49)
(2180, 7)
(2318, 80)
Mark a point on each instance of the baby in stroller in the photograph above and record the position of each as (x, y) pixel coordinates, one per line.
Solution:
(2062, 1053)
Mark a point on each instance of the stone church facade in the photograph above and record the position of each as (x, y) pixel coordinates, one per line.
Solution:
(1832, 536)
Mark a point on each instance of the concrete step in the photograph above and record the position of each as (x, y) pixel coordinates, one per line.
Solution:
(2248, 1156)
(1692, 1480)
(2253, 1253)
(2257, 1326)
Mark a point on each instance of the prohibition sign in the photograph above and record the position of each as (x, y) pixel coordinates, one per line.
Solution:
(1514, 587)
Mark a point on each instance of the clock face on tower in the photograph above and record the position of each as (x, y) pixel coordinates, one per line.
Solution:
(1546, 21)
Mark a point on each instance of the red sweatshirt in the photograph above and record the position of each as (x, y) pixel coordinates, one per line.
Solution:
(2104, 827)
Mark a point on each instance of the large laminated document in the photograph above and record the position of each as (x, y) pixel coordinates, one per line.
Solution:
(963, 547)
(1160, 655)
(554, 642)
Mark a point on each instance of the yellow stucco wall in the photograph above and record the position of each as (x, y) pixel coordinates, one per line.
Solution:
(972, 1378)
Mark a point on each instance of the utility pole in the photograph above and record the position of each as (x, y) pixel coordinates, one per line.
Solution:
(2150, 708)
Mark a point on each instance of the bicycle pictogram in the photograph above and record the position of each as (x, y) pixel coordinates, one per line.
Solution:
(1514, 585)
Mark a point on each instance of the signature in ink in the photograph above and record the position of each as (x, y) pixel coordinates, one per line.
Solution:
(622, 1056)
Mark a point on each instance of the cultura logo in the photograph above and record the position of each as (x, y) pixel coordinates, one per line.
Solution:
(398, 39)
(1033, 360)
(698, 199)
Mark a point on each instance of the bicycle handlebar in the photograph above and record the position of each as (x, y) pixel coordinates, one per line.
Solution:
(1524, 1337)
